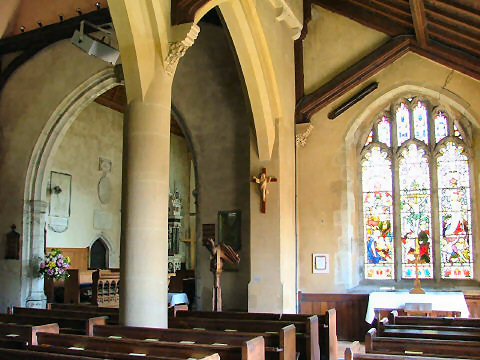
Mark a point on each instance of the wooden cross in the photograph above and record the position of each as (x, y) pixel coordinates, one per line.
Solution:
(263, 181)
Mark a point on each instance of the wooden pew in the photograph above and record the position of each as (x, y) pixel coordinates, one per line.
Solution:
(421, 347)
(351, 355)
(84, 307)
(277, 346)
(111, 318)
(327, 331)
(67, 324)
(435, 321)
(27, 333)
(429, 331)
(305, 343)
(252, 349)
(15, 354)
(78, 281)
(78, 353)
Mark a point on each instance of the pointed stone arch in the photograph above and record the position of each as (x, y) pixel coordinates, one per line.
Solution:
(35, 204)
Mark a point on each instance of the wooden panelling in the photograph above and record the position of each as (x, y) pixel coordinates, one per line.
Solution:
(351, 310)
(473, 303)
(78, 257)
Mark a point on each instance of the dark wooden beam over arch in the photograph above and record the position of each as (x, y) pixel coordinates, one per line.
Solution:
(183, 11)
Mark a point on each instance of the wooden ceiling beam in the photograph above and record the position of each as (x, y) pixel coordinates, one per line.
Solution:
(51, 33)
(402, 12)
(440, 18)
(377, 60)
(404, 20)
(419, 21)
(452, 58)
(456, 9)
(183, 11)
(459, 39)
(364, 16)
(353, 76)
(456, 42)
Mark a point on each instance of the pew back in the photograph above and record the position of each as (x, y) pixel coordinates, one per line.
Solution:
(307, 329)
(75, 325)
(277, 346)
(26, 333)
(156, 348)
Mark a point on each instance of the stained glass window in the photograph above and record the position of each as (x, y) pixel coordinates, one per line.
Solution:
(369, 138)
(408, 169)
(420, 122)
(383, 131)
(415, 212)
(403, 124)
(441, 126)
(456, 132)
(377, 210)
(455, 213)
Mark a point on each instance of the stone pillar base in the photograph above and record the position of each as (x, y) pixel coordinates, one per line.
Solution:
(36, 300)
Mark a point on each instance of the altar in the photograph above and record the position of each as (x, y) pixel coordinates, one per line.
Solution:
(441, 301)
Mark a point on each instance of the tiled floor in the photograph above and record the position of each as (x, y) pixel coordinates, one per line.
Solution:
(342, 345)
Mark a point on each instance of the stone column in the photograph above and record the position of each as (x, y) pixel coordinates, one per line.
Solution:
(272, 287)
(34, 252)
(144, 244)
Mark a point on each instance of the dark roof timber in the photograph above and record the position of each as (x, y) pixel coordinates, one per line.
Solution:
(49, 34)
(446, 31)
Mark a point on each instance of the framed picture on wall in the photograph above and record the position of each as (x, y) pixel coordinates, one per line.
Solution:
(230, 233)
(229, 228)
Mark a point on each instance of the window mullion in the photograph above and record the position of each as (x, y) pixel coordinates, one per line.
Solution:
(396, 197)
(435, 222)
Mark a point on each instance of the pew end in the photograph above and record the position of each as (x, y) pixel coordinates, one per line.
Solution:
(288, 342)
(48, 328)
(332, 333)
(98, 320)
(211, 357)
(371, 334)
(254, 349)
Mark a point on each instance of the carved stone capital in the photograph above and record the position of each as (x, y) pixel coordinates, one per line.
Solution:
(177, 49)
(286, 14)
(301, 138)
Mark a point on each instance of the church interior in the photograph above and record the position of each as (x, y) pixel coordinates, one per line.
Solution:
(211, 174)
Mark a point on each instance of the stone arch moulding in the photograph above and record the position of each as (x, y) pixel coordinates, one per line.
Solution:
(254, 56)
(108, 245)
(365, 114)
(35, 205)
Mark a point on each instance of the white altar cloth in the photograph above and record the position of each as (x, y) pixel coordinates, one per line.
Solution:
(177, 298)
(443, 301)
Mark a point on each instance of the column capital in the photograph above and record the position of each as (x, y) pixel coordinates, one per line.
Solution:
(176, 49)
(301, 138)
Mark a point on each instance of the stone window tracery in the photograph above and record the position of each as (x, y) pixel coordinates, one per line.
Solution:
(416, 198)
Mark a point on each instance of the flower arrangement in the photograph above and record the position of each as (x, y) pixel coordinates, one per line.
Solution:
(55, 265)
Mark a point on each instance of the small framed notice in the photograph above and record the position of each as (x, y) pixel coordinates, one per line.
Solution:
(320, 264)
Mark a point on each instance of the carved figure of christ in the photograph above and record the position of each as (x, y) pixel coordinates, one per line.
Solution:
(263, 181)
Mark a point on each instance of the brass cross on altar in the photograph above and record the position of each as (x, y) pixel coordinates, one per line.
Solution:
(417, 288)
(263, 181)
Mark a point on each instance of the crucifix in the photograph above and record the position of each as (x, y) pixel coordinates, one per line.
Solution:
(263, 181)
